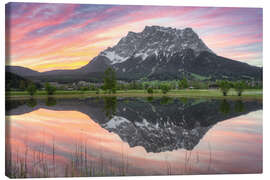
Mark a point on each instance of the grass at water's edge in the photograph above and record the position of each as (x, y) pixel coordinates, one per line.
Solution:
(206, 93)
(42, 163)
(34, 164)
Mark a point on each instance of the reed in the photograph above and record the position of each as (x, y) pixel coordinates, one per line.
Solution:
(34, 164)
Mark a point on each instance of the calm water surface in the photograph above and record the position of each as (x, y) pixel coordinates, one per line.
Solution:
(132, 136)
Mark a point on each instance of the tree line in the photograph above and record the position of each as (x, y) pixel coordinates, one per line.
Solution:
(111, 86)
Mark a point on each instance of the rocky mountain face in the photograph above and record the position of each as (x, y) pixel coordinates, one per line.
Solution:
(159, 53)
(157, 125)
(154, 40)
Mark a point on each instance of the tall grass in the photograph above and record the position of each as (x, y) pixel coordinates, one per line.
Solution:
(36, 165)
(29, 163)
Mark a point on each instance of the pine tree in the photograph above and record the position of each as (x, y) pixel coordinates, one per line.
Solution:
(183, 83)
(31, 89)
(110, 81)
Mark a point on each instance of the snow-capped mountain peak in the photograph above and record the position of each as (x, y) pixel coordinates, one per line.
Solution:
(152, 40)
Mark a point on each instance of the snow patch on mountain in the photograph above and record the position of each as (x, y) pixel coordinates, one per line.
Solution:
(113, 57)
(142, 55)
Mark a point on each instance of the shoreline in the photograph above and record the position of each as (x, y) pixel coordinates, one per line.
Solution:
(200, 93)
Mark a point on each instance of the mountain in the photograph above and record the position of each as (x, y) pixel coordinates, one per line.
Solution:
(167, 53)
(22, 71)
(159, 53)
(157, 125)
(152, 41)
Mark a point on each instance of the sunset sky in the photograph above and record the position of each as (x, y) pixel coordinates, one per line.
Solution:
(67, 36)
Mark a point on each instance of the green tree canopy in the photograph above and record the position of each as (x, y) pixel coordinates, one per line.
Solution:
(224, 86)
(239, 86)
(164, 88)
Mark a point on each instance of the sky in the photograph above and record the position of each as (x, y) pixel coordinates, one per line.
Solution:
(44, 36)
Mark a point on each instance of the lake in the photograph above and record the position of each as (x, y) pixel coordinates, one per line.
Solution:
(132, 136)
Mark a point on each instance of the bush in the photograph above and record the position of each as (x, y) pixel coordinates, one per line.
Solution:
(83, 89)
(92, 87)
(150, 90)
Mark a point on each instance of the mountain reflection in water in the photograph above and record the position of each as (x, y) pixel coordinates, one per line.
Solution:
(151, 129)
